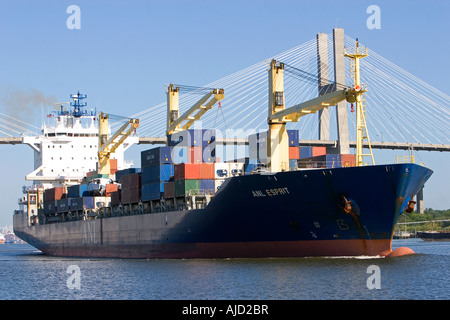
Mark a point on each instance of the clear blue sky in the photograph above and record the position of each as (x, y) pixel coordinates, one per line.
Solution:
(126, 51)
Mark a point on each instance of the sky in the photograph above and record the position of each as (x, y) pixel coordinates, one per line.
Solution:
(125, 52)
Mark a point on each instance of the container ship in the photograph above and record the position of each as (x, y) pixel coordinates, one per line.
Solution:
(185, 202)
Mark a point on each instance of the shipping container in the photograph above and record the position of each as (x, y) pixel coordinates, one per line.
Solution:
(206, 170)
(180, 155)
(156, 156)
(152, 191)
(62, 205)
(131, 195)
(131, 180)
(159, 173)
(319, 151)
(236, 168)
(217, 184)
(324, 161)
(209, 137)
(187, 187)
(169, 189)
(187, 171)
(115, 198)
(120, 173)
(209, 153)
(207, 186)
(113, 164)
(294, 153)
(293, 164)
(195, 154)
(50, 207)
(293, 136)
(54, 194)
(257, 146)
(186, 138)
(221, 170)
(305, 152)
(77, 191)
(110, 188)
(76, 204)
(348, 160)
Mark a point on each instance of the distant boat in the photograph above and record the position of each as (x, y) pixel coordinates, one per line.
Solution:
(2, 239)
(434, 235)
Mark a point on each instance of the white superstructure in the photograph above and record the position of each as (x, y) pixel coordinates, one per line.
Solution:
(68, 147)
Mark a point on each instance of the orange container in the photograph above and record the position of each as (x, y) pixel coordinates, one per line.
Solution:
(294, 153)
(113, 163)
(110, 188)
(348, 160)
(187, 171)
(319, 151)
(207, 171)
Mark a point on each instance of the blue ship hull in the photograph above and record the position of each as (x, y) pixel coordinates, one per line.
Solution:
(316, 212)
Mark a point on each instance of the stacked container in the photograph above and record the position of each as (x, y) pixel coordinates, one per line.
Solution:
(158, 168)
(52, 198)
(131, 188)
(322, 161)
(197, 175)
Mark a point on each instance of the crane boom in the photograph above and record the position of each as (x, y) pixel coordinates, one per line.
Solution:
(108, 145)
(175, 123)
(293, 114)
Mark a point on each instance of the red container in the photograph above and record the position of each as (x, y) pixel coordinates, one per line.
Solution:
(131, 180)
(110, 188)
(348, 160)
(294, 153)
(115, 198)
(195, 154)
(169, 189)
(207, 171)
(113, 163)
(56, 193)
(184, 171)
(319, 151)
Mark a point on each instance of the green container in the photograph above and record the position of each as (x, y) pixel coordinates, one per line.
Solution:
(187, 187)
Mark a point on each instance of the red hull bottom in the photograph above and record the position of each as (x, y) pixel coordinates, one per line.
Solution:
(230, 249)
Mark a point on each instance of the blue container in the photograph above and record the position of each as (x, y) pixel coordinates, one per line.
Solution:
(180, 155)
(161, 173)
(333, 160)
(186, 138)
(207, 185)
(156, 156)
(49, 207)
(77, 191)
(293, 164)
(89, 202)
(306, 152)
(293, 138)
(152, 191)
(124, 172)
(209, 153)
(209, 136)
(76, 204)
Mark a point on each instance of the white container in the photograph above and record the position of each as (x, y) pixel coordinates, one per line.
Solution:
(221, 170)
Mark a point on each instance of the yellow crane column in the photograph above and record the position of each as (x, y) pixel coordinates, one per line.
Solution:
(173, 109)
(278, 144)
(103, 161)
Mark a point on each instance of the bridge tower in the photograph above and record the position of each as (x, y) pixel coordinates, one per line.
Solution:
(343, 144)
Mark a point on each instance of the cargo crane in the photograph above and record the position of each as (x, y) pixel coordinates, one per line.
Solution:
(108, 145)
(175, 122)
(278, 146)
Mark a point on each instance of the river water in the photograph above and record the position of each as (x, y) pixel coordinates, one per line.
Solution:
(27, 274)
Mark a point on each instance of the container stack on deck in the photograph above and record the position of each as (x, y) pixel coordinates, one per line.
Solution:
(258, 150)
